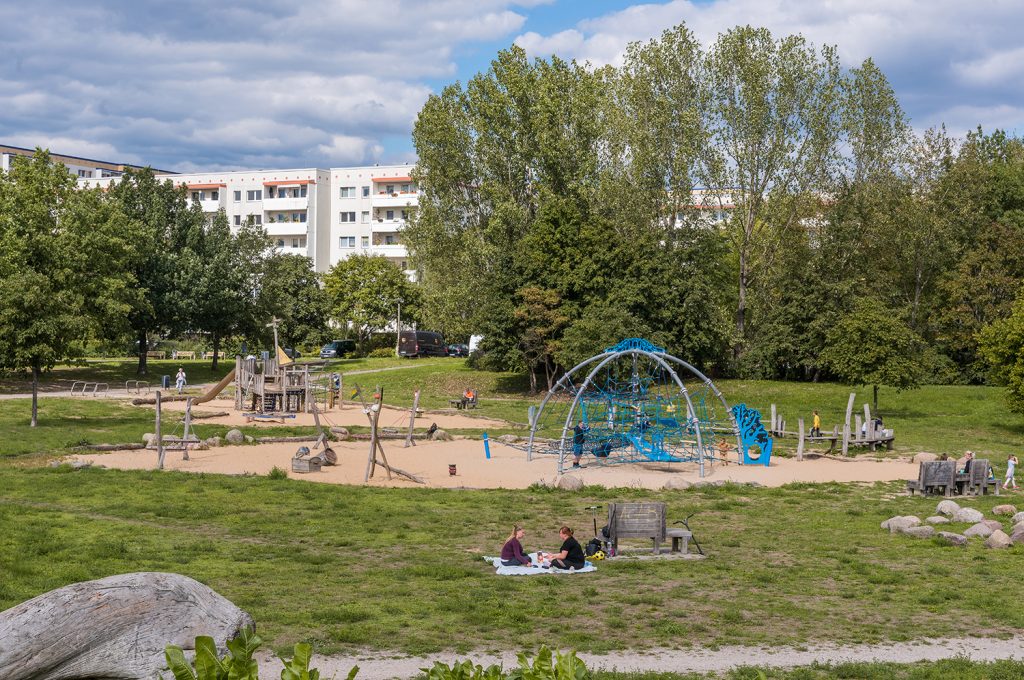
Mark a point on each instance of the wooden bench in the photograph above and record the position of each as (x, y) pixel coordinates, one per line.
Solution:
(978, 479)
(209, 355)
(183, 354)
(156, 354)
(933, 475)
(637, 520)
(465, 402)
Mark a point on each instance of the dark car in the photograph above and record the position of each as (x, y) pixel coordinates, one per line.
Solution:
(337, 348)
(421, 344)
(292, 353)
(458, 350)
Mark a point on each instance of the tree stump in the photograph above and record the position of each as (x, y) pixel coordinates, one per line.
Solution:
(112, 628)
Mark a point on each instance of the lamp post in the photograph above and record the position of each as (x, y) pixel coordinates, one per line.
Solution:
(398, 327)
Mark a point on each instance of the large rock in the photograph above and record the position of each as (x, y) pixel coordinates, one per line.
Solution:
(998, 539)
(1017, 537)
(1018, 518)
(508, 439)
(947, 508)
(992, 524)
(980, 530)
(441, 436)
(937, 519)
(213, 441)
(951, 538)
(900, 522)
(569, 483)
(235, 437)
(115, 627)
(149, 439)
(676, 484)
(924, 457)
(919, 532)
(968, 516)
(1019, 526)
(1004, 510)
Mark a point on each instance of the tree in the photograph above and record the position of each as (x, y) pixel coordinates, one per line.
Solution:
(873, 346)
(366, 290)
(63, 268)
(1001, 343)
(292, 291)
(540, 323)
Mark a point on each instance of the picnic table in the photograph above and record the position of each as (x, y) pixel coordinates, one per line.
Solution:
(942, 476)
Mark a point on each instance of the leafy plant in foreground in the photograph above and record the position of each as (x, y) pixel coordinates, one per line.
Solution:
(238, 663)
(545, 666)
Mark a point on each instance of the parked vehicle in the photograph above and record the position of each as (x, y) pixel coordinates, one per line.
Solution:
(292, 353)
(458, 350)
(421, 344)
(337, 348)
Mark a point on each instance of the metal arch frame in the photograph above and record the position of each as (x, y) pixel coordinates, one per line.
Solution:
(547, 397)
(714, 389)
(583, 386)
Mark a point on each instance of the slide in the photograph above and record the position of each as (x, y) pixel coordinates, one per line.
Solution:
(216, 389)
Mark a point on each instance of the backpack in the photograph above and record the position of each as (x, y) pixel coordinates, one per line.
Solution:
(593, 546)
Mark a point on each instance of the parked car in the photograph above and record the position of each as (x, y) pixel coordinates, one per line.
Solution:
(292, 353)
(421, 344)
(458, 350)
(337, 348)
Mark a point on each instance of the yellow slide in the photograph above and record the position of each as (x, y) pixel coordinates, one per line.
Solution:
(216, 389)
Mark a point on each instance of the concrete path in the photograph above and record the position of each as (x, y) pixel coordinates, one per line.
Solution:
(384, 667)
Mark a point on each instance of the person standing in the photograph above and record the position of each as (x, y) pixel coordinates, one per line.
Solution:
(179, 380)
(816, 427)
(1011, 470)
(579, 435)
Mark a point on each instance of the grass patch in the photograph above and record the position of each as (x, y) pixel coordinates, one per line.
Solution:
(349, 568)
(958, 668)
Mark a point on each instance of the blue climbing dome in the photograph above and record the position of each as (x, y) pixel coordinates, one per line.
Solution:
(636, 404)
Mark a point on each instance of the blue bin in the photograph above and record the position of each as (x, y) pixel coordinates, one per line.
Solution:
(165, 382)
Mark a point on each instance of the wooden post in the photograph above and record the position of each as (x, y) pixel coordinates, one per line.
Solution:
(371, 462)
(856, 431)
(846, 438)
(775, 423)
(341, 391)
(188, 424)
(800, 439)
(412, 417)
(159, 437)
(849, 409)
(238, 382)
(867, 415)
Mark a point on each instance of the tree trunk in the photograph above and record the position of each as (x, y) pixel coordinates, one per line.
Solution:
(35, 393)
(741, 305)
(216, 350)
(115, 627)
(875, 409)
(143, 368)
(533, 379)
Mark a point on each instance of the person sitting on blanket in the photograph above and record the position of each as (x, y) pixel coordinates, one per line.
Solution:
(512, 554)
(571, 555)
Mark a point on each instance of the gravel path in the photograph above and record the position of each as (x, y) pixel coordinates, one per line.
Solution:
(377, 667)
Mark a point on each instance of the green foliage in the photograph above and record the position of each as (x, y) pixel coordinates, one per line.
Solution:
(381, 353)
(291, 290)
(1001, 343)
(277, 473)
(545, 666)
(366, 291)
(237, 664)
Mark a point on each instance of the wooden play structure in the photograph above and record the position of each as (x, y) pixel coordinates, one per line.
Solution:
(868, 432)
(274, 385)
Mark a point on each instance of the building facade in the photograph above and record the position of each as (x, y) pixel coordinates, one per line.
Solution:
(327, 215)
(82, 168)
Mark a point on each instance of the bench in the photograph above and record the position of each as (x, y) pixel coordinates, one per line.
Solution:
(465, 402)
(978, 479)
(183, 354)
(156, 354)
(637, 520)
(209, 355)
(680, 536)
(267, 417)
(934, 475)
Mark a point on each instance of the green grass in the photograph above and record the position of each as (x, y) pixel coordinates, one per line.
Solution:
(351, 568)
(959, 668)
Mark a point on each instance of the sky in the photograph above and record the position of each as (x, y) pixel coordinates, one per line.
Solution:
(196, 85)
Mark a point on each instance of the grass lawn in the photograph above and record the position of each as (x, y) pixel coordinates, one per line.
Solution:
(947, 669)
(350, 568)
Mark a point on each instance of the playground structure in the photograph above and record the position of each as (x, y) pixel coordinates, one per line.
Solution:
(636, 403)
(854, 432)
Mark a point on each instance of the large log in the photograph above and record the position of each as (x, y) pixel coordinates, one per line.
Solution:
(113, 628)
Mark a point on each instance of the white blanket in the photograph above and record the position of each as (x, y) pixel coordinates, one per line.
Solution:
(534, 571)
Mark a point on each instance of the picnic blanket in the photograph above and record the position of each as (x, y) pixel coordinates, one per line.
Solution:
(534, 571)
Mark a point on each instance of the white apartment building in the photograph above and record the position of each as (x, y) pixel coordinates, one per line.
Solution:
(77, 166)
(326, 215)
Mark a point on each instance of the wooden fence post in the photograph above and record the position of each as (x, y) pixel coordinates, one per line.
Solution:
(800, 439)
(159, 437)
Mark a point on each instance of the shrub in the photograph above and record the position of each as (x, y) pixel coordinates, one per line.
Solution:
(277, 473)
(382, 353)
(238, 663)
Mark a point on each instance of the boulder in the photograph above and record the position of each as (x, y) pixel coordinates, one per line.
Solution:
(968, 516)
(149, 439)
(998, 539)
(508, 439)
(80, 464)
(919, 532)
(1004, 510)
(937, 519)
(992, 524)
(441, 436)
(1017, 538)
(676, 484)
(900, 522)
(947, 508)
(1018, 527)
(213, 441)
(924, 457)
(1018, 518)
(569, 483)
(756, 485)
(234, 437)
(980, 530)
(115, 627)
(951, 538)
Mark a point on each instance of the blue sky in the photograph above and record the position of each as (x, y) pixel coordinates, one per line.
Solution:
(194, 85)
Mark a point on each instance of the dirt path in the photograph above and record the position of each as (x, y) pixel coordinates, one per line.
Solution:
(380, 667)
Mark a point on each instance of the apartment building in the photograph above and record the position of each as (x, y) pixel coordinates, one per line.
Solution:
(78, 167)
(326, 215)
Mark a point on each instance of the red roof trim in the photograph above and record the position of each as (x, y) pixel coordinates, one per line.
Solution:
(288, 182)
(392, 179)
(206, 186)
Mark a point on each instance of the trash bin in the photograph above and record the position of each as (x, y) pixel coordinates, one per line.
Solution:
(165, 382)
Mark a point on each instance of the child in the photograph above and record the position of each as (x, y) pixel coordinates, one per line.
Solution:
(1011, 469)
(816, 428)
(179, 380)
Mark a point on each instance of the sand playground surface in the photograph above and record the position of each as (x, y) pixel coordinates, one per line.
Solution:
(507, 468)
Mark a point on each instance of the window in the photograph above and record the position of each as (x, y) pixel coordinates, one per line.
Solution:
(84, 173)
(271, 192)
(389, 189)
(365, 217)
(405, 214)
(364, 242)
(403, 265)
(254, 219)
(298, 217)
(347, 192)
(405, 188)
(366, 191)
(390, 214)
(301, 192)
(347, 217)
(389, 239)
(254, 195)
(347, 242)
(214, 195)
(238, 196)
(295, 243)
(280, 243)
(238, 220)
(197, 195)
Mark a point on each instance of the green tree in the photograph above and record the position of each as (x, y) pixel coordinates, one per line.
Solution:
(1001, 343)
(873, 346)
(366, 290)
(63, 268)
(293, 292)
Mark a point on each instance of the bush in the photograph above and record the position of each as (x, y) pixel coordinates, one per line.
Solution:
(382, 353)
(277, 473)
(238, 663)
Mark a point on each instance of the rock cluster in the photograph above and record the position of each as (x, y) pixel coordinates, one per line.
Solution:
(950, 512)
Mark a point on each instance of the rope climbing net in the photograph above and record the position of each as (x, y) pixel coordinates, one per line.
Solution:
(632, 403)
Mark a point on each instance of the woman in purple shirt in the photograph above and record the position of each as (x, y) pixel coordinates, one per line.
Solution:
(512, 554)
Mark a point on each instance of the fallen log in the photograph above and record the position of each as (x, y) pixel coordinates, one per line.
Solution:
(115, 627)
(202, 415)
(296, 438)
(108, 447)
(142, 401)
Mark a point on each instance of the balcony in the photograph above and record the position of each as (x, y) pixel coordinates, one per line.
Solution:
(392, 225)
(286, 228)
(396, 200)
(285, 204)
(211, 205)
(395, 250)
(289, 250)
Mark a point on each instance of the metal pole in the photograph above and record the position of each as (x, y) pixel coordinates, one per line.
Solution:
(398, 327)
